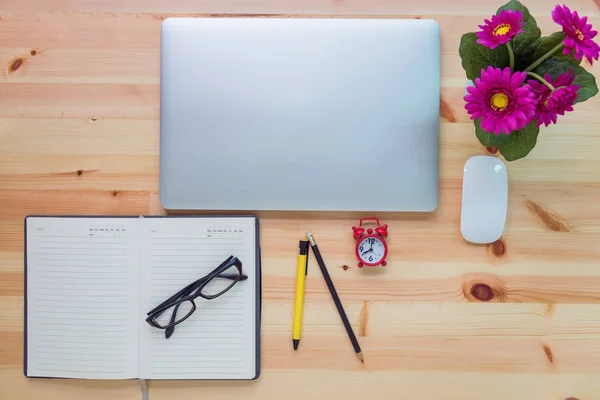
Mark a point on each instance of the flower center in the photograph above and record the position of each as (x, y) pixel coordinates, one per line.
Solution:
(502, 29)
(499, 101)
(578, 33)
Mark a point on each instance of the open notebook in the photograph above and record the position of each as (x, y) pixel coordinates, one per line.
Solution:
(89, 282)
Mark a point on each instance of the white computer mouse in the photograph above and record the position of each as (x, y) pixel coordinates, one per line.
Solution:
(484, 199)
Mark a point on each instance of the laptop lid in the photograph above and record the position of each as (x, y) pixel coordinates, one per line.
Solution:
(299, 114)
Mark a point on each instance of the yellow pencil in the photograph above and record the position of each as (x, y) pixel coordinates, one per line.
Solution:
(301, 272)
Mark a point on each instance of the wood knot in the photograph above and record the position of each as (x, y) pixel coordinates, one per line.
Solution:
(33, 52)
(16, 64)
(498, 248)
(94, 119)
(345, 267)
(115, 193)
(364, 319)
(548, 352)
(484, 288)
(572, 398)
(552, 220)
(482, 292)
(79, 172)
(491, 150)
(446, 111)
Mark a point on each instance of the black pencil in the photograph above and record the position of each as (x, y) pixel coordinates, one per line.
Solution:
(336, 299)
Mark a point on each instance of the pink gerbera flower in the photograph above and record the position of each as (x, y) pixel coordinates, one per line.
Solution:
(552, 103)
(578, 34)
(501, 100)
(501, 29)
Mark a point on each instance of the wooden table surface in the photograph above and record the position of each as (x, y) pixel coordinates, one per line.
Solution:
(79, 134)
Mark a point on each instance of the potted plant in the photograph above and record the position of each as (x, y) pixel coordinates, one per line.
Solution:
(522, 80)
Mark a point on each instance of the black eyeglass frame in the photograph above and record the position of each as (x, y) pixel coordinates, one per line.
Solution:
(193, 291)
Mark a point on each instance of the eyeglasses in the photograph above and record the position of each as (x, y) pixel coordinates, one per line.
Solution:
(181, 305)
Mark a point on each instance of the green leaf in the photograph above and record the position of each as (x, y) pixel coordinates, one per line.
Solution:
(585, 80)
(489, 139)
(476, 57)
(587, 85)
(523, 40)
(520, 142)
(547, 43)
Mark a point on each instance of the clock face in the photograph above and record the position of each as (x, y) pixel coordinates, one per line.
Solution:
(371, 250)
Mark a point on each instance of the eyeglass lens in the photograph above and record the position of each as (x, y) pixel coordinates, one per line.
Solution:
(221, 283)
(175, 314)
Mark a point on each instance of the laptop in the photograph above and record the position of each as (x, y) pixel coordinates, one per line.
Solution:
(300, 114)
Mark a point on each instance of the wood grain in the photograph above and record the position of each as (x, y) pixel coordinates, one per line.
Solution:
(518, 319)
(262, 7)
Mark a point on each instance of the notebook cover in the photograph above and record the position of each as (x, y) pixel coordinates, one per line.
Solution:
(257, 252)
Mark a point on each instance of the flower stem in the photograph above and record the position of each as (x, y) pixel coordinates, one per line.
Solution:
(511, 54)
(544, 57)
(539, 78)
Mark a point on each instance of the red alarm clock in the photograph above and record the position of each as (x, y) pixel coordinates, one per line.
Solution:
(371, 248)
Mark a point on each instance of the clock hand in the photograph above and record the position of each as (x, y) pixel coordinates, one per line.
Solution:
(367, 251)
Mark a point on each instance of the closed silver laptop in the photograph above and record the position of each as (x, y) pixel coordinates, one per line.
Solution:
(299, 114)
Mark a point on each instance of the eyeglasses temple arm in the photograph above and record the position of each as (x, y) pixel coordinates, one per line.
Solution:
(232, 277)
(169, 331)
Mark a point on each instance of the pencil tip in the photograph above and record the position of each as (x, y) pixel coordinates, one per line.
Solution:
(360, 357)
(296, 343)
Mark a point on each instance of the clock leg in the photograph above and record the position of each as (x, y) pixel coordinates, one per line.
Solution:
(384, 263)
(360, 265)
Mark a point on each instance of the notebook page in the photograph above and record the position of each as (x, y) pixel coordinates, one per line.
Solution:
(219, 340)
(82, 297)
